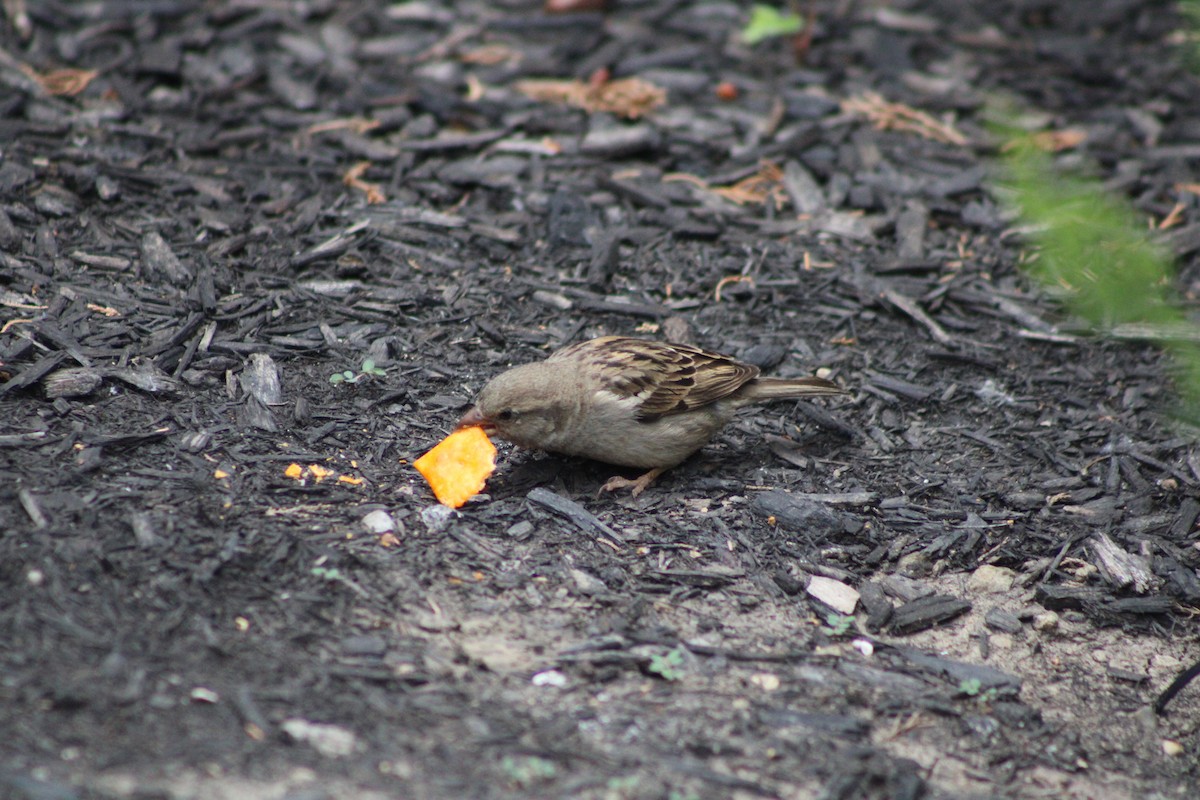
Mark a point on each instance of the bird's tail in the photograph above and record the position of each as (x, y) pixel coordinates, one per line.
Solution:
(772, 388)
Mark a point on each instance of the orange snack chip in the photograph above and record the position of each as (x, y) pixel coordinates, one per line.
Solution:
(459, 466)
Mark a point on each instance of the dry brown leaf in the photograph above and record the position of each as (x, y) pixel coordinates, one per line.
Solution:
(627, 97)
(766, 184)
(356, 124)
(728, 279)
(107, 311)
(1057, 141)
(490, 55)
(353, 179)
(683, 177)
(14, 322)
(899, 117)
(1174, 218)
(763, 185)
(62, 82)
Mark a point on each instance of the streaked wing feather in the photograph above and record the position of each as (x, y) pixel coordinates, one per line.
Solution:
(668, 378)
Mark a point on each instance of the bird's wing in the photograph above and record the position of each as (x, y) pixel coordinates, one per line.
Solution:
(664, 378)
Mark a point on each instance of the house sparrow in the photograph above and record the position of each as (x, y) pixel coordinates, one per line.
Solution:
(630, 402)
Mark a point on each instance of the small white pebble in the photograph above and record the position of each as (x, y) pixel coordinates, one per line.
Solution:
(331, 741)
(550, 677)
(379, 521)
(437, 517)
(1046, 622)
(767, 681)
(202, 695)
(992, 394)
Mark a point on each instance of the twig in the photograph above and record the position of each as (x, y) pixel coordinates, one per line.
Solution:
(910, 307)
(584, 519)
(32, 508)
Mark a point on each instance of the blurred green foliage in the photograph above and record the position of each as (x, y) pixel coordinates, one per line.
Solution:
(767, 22)
(1091, 248)
(1096, 254)
(1190, 11)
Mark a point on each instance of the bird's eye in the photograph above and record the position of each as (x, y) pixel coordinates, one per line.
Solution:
(506, 415)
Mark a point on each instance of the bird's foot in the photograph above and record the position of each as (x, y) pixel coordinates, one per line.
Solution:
(638, 484)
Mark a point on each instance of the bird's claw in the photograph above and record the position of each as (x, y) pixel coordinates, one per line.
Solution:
(638, 484)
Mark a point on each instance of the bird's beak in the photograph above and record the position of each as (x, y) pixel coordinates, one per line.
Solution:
(475, 419)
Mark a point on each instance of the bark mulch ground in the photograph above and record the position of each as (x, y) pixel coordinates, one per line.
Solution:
(207, 209)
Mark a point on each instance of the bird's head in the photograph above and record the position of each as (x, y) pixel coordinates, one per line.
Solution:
(523, 405)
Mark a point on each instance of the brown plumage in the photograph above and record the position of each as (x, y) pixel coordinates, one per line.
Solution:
(630, 402)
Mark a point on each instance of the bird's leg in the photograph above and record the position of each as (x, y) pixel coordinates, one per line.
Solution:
(639, 484)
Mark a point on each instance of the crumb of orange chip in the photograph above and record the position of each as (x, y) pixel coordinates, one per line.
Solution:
(459, 466)
(294, 471)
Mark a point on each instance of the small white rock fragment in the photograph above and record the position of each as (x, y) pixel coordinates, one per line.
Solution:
(202, 694)
(553, 299)
(550, 677)
(1001, 641)
(1046, 622)
(992, 394)
(379, 521)
(143, 529)
(864, 646)
(835, 594)
(767, 681)
(587, 584)
(989, 579)
(1172, 748)
(328, 740)
(437, 517)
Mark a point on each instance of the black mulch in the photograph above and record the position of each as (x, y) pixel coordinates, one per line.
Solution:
(187, 255)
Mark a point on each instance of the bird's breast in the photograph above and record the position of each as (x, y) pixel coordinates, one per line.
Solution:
(607, 429)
